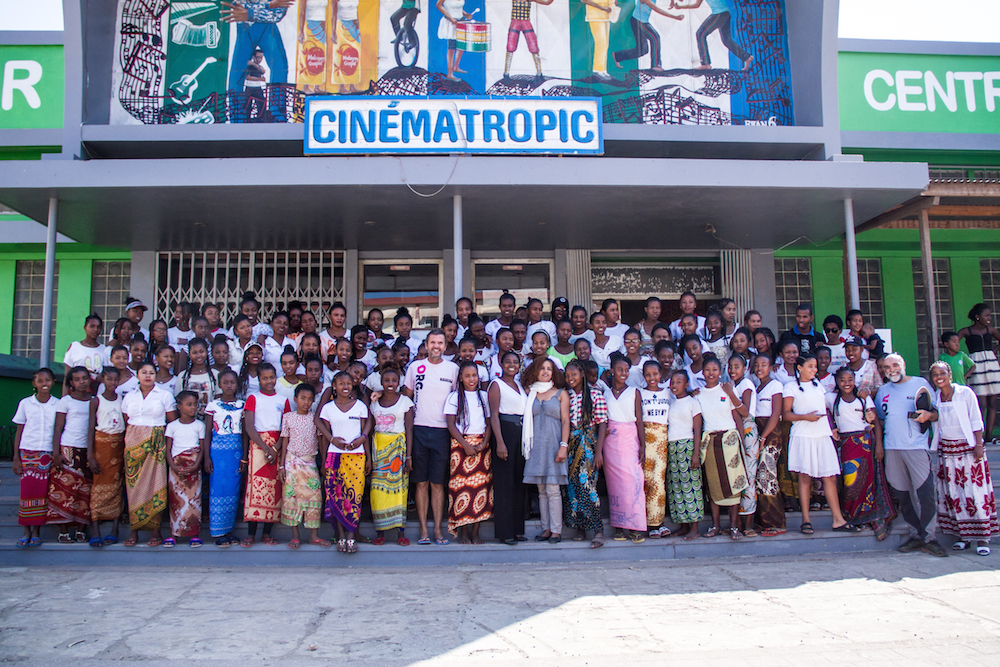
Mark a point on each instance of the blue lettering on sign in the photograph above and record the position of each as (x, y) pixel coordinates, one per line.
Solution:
(525, 133)
(544, 120)
(384, 125)
(575, 126)
(318, 134)
(358, 123)
(445, 124)
(416, 123)
(342, 127)
(469, 116)
(563, 126)
(493, 122)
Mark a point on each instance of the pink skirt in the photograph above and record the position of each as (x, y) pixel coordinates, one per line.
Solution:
(624, 476)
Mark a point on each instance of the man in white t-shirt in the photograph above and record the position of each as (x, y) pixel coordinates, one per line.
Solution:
(428, 383)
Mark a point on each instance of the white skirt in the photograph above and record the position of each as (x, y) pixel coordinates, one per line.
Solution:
(816, 457)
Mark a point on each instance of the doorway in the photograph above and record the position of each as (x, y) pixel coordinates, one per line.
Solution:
(412, 284)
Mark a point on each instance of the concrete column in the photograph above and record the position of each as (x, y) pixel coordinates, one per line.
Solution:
(142, 282)
(458, 257)
(48, 286)
(352, 295)
(930, 290)
(578, 287)
(852, 254)
(737, 278)
(764, 297)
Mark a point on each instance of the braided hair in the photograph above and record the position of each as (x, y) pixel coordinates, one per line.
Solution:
(800, 361)
(463, 418)
(587, 405)
(844, 370)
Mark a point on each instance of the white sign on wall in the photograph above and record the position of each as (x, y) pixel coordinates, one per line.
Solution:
(368, 125)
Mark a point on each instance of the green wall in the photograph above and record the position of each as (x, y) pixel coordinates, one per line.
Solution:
(897, 248)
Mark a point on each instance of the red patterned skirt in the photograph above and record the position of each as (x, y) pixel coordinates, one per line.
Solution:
(262, 501)
(34, 505)
(69, 488)
(470, 487)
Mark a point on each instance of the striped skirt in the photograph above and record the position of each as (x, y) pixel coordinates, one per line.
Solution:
(34, 506)
(725, 474)
(985, 378)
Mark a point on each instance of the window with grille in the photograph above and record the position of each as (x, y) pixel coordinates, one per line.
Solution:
(926, 347)
(792, 286)
(990, 269)
(314, 277)
(29, 290)
(109, 287)
(870, 286)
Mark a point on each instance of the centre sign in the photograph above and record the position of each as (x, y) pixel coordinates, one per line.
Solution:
(372, 125)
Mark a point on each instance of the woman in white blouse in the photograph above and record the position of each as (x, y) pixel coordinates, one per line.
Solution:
(147, 411)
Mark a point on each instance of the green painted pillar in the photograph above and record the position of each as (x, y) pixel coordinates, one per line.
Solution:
(8, 272)
(900, 306)
(73, 305)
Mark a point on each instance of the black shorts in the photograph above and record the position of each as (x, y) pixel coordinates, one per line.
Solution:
(431, 455)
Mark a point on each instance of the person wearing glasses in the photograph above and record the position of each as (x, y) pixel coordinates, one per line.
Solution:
(832, 328)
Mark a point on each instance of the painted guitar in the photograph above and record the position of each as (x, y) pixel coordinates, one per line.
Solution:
(182, 92)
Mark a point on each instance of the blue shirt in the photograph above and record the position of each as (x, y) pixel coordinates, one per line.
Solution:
(719, 6)
(641, 13)
(893, 403)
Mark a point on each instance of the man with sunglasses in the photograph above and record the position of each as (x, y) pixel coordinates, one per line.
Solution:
(832, 328)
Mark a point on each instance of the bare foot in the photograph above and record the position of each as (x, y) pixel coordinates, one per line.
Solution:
(460, 71)
(477, 540)
(464, 539)
(693, 535)
(748, 63)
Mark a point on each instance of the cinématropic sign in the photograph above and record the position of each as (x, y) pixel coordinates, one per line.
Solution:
(370, 125)
(904, 92)
(31, 86)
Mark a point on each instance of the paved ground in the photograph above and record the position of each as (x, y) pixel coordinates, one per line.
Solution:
(878, 608)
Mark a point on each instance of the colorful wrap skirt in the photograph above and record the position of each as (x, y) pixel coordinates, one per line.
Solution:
(262, 500)
(145, 475)
(389, 481)
(107, 494)
(303, 495)
(655, 473)
(624, 476)
(69, 488)
(966, 505)
(725, 474)
(345, 486)
(470, 486)
(34, 503)
(581, 504)
(184, 497)
(751, 458)
(224, 482)
(770, 501)
(686, 498)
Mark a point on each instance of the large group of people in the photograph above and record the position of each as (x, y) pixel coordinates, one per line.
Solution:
(193, 421)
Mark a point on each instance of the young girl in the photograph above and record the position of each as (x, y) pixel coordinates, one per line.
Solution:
(763, 340)
(127, 380)
(535, 321)
(165, 378)
(825, 378)
(718, 342)
(505, 344)
(810, 446)
(540, 345)
(89, 353)
(224, 447)
(695, 370)
(727, 308)
(686, 498)
(147, 411)
(157, 336)
(581, 350)
(289, 380)
(450, 328)
(612, 313)
(337, 316)
(752, 320)
(107, 493)
(484, 344)
(784, 369)
(359, 347)
(470, 485)
(578, 317)
(404, 324)
(544, 433)
(655, 418)
(520, 330)
(624, 457)
(179, 334)
(138, 351)
(345, 423)
(588, 415)
(242, 336)
(392, 456)
(652, 309)
(274, 345)
(69, 479)
(980, 337)
(220, 354)
(563, 349)
(746, 392)
(966, 508)
(185, 444)
(506, 401)
(770, 516)
(314, 377)
(376, 337)
(401, 354)
(341, 357)
(721, 448)
(299, 445)
(601, 346)
(740, 344)
(212, 313)
(309, 346)
(858, 435)
(34, 422)
(262, 416)
(664, 353)
(467, 352)
(636, 375)
(249, 382)
(198, 377)
(250, 307)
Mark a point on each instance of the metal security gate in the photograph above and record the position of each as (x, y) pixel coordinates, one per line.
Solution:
(314, 277)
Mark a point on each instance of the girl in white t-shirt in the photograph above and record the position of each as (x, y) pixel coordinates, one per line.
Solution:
(107, 494)
(34, 420)
(602, 346)
(655, 417)
(198, 377)
(467, 352)
(770, 502)
(744, 388)
(289, 380)
(810, 446)
(469, 489)
(165, 378)
(858, 435)
(185, 447)
(224, 462)
(72, 440)
(89, 353)
(262, 417)
(684, 485)
(391, 458)
(344, 422)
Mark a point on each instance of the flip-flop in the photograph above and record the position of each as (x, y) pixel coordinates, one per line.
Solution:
(711, 532)
(293, 544)
(269, 541)
(130, 542)
(320, 542)
(196, 542)
(378, 541)
(847, 528)
(155, 542)
(403, 541)
(111, 539)
(424, 541)
(96, 542)
(168, 543)
(597, 542)
(772, 532)
(23, 542)
(441, 541)
(247, 542)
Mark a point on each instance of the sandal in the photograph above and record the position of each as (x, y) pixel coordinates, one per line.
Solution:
(440, 541)
(65, 538)
(34, 542)
(96, 542)
(983, 550)
(247, 542)
(269, 541)
(712, 532)
(129, 542)
(23, 542)
(749, 532)
(619, 536)
(167, 543)
(637, 537)
(597, 542)
(378, 541)
(403, 541)
(293, 544)
(654, 533)
(80, 536)
(961, 545)
(320, 542)
(735, 534)
(223, 542)
(847, 528)
(424, 541)
(807, 528)
(196, 542)
(155, 542)
(772, 532)
(352, 547)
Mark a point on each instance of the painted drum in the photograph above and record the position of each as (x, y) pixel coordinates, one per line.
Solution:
(472, 36)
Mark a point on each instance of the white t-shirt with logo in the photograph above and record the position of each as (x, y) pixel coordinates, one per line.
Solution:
(656, 406)
(680, 425)
(393, 418)
(766, 401)
(716, 409)
(267, 410)
(431, 384)
(345, 425)
(850, 415)
(476, 416)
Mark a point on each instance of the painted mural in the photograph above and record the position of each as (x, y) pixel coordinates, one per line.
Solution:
(693, 62)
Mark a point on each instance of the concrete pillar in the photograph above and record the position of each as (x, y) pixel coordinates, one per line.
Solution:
(48, 286)
(458, 258)
(578, 287)
(764, 297)
(930, 290)
(852, 254)
(737, 279)
(142, 282)
(352, 293)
